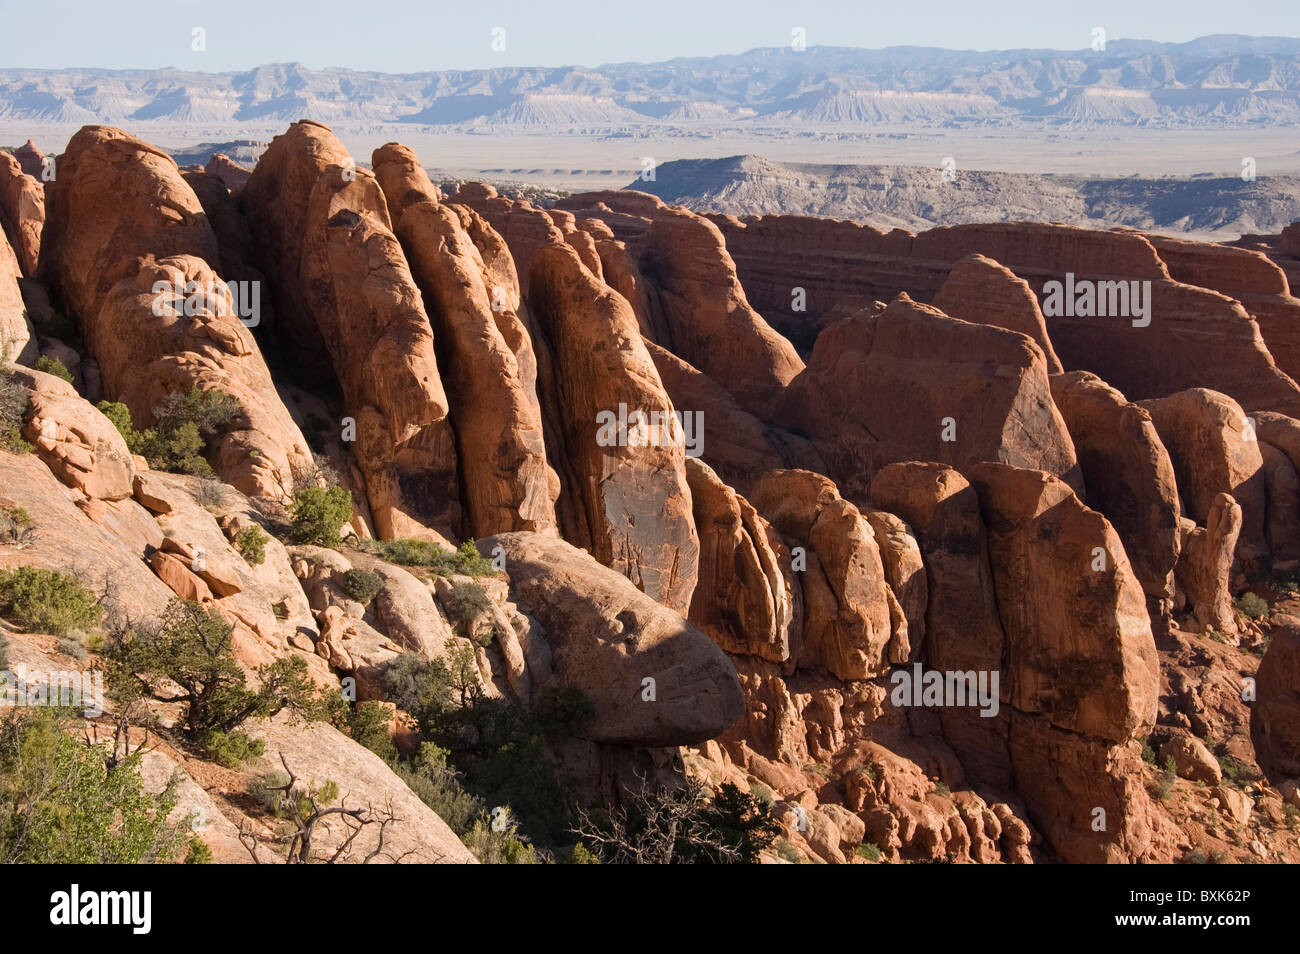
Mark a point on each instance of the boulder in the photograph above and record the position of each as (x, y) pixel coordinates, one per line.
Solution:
(653, 678)
(78, 443)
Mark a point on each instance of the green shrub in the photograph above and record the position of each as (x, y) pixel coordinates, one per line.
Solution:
(467, 602)
(251, 544)
(1252, 606)
(362, 585)
(65, 802)
(47, 601)
(53, 366)
(73, 649)
(13, 413)
(15, 526)
(188, 655)
(465, 559)
(788, 852)
(1149, 752)
(869, 850)
(198, 852)
(233, 749)
(470, 562)
(318, 513)
(368, 725)
(209, 493)
(941, 788)
(183, 423)
(58, 325)
(4, 650)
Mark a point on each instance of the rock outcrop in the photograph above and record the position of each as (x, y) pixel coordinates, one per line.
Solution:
(747, 598)
(848, 626)
(980, 290)
(140, 273)
(616, 444)
(914, 384)
(1275, 716)
(1128, 475)
(652, 677)
(485, 347)
(1215, 450)
(349, 310)
(22, 212)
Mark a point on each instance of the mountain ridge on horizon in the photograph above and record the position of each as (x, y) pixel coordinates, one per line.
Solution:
(1220, 79)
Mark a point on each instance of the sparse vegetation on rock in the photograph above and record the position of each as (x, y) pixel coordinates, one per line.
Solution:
(47, 601)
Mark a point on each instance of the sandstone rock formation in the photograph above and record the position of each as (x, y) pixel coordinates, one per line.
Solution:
(350, 312)
(139, 273)
(625, 495)
(980, 290)
(1274, 728)
(17, 336)
(848, 627)
(485, 347)
(653, 678)
(1215, 450)
(1128, 474)
(747, 598)
(22, 212)
(915, 384)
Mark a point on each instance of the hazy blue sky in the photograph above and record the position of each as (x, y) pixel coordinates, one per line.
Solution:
(412, 36)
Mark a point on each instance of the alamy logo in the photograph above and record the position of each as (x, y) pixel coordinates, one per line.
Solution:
(242, 300)
(21, 686)
(1089, 299)
(656, 428)
(73, 907)
(946, 689)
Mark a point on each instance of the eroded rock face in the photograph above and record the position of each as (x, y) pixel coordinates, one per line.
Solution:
(1205, 564)
(843, 265)
(17, 336)
(926, 387)
(700, 300)
(904, 571)
(22, 212)
(148, 348)
(848, 627)
(486, 349)
(962, 629)
(79, 445)
(124, 233)
(735, 443)
(630, 505)
(980, 290)
(1128, 475)
(1079, 645)
(1215, 450)
(319, 753)
(1275, 716)
(747, 599)
(607, 638)
(346, 298)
